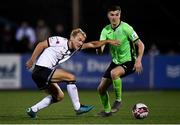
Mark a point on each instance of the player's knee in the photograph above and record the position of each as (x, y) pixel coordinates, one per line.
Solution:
(71, 78)
(58, 97)
(100, 90)
(114, 74)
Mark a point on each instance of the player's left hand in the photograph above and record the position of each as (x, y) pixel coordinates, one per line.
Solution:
(138, 66)
(114, 42)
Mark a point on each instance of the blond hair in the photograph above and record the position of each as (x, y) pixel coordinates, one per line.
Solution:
(76, 31)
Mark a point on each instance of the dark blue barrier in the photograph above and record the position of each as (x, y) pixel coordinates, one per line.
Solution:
(88, 69)
(167, 72)
(160, 72)
(27, 82)
(138, 81)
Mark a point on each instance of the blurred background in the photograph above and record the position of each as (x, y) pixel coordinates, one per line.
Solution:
(24, 23)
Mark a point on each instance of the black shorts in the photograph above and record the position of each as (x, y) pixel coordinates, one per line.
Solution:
(42, 76)
(128, 68)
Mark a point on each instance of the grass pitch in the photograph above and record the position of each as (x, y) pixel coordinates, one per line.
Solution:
(164, 108)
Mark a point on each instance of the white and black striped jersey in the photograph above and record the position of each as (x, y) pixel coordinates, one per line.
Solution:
(57, 52)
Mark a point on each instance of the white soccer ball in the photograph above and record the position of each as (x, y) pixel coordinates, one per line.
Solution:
(140, 111)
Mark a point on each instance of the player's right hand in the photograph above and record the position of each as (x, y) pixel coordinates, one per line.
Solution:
(29, 64)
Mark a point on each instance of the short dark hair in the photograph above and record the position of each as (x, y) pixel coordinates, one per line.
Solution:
(114, 8)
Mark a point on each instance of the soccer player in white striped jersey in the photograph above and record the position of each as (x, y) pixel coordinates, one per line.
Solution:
(47, 56)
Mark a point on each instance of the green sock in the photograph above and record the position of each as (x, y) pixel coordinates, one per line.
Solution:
(117, 84)
(105, 102)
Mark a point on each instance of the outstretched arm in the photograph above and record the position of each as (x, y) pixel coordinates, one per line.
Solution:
(97, 44)
(39, 48)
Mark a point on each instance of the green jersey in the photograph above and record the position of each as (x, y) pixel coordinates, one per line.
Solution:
(127, 37)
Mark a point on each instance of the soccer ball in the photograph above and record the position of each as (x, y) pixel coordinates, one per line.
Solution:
(140, 111)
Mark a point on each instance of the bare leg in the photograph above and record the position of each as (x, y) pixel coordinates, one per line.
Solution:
(56, 95)
(62, 75)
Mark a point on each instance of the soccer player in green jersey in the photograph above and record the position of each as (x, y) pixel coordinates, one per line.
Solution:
(124, 58)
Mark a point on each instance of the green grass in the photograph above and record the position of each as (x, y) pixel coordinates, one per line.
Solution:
(164, 108)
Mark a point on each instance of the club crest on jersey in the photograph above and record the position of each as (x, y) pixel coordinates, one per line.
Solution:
(68, 52)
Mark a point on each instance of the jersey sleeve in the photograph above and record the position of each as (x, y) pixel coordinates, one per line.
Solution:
(132, 35)
(54, 41)
(103, 35)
